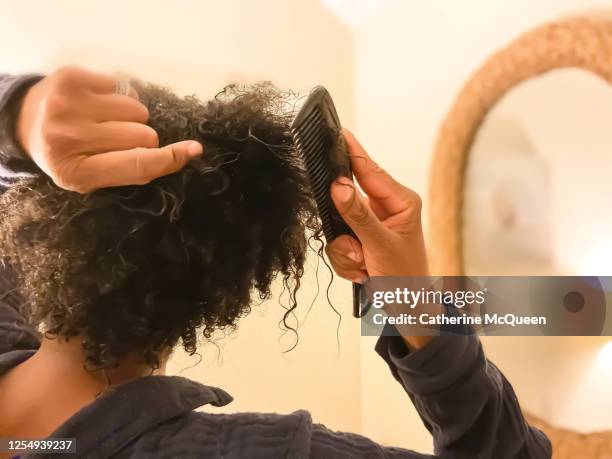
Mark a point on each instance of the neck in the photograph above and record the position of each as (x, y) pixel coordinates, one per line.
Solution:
(44, 391)
(65, 358)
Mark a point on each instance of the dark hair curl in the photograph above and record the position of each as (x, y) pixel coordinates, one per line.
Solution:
(138, 268)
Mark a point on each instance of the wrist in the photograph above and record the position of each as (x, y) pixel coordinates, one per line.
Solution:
(10, 116)
(20, 120)
(417, 342)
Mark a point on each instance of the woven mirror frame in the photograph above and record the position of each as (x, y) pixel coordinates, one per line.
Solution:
(578, 42)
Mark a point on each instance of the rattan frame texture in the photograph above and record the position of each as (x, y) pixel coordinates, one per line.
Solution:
(577, 42)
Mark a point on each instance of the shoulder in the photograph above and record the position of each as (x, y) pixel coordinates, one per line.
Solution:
(244, 435)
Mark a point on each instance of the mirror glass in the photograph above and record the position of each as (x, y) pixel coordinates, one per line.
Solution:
(537, 174)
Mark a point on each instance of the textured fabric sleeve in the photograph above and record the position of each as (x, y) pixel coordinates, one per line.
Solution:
(464, 400)
(326, 443)
(15, 333)
(13, 161)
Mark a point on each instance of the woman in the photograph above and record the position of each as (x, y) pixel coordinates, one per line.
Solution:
(118, 277)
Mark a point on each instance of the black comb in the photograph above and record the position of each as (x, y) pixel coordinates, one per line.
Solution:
(317, 136)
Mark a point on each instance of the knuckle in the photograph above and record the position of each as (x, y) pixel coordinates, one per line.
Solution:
(417, 202)
(343, 263)
(62, 183)
(150, 138)
(331, 248)
(177, 158)
(65, 71)
(62, 176)
(334, 256)
(65, 77)
(414, 200)
(374, 169)
(80, 188)
(339, 247)
(141, 168)
(337, 265)
(56, 105)
(67, 183)
(71, 176)
(55, 137)
(144, 113)
(360, 214)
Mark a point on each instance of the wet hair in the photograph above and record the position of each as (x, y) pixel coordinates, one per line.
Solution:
(140, 268)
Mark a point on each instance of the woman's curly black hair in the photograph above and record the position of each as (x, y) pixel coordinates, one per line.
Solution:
(138, 268)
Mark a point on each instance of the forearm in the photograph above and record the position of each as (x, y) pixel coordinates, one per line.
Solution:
(13, 160)
(415, 342)
(467, 399)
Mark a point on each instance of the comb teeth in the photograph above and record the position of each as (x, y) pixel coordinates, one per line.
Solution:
(314, 130)
(313, 133)
(314, 146)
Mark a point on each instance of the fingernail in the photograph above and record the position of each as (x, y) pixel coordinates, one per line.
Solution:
(194, 149)
(353, 255)
(345, 189)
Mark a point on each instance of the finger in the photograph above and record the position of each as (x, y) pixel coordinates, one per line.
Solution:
(100, 83)
(133, 167)
(115, 107)
(342, 264)
(345, 251)
(92, 81)
(388, 196)
(117, 136)
(355, 212)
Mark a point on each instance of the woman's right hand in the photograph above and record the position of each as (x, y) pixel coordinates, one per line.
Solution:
(387, 223)
(85, 136)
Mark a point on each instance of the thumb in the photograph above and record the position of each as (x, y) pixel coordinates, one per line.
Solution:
(355, 211)
(133, 167)
(158, 162)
